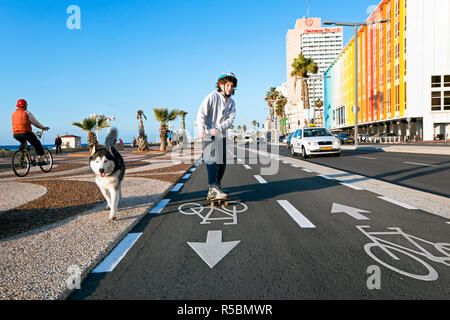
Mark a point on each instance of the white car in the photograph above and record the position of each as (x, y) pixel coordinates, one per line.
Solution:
(248, 139)
(313, 141)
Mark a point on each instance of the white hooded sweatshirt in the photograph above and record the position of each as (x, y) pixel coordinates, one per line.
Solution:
(216, 112)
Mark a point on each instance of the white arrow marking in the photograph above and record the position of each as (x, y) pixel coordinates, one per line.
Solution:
(214, 249)
(353, 212)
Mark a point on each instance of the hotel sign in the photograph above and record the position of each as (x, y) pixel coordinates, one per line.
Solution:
(322, 30)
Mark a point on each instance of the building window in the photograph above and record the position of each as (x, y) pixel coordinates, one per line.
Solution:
(397, 71)
(404, 45)
(405, 95)
(447, 81)
(405, 68)
(436, 81)
(388, 101)
(446, 100)
(436, 100)
(397, 98)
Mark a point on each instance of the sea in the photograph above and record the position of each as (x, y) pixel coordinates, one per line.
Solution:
(16, 147)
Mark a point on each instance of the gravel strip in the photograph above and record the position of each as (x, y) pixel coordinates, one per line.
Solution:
(35, 266)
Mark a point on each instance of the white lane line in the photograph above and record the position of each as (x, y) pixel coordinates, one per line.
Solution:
(295, 166)
(186, 176)
(448, 222)
(307, 170)
(369, 158)
(351, 186)
(326, 177)
(299, 218)
(260, 179)
(160, 206)
(240, 160)
(246, 166)
(177, 187)
(421, 164)
(401, 204)
(113, 259)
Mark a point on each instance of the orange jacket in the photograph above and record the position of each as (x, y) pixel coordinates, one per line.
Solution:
(21, 122)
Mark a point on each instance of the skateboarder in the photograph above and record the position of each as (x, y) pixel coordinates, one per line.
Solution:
(215, 115)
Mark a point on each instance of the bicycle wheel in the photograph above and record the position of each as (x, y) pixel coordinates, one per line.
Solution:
(21, 163)
(48, 159)
(431, 276)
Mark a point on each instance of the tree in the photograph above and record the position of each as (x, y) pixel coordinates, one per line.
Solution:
(319, 104)
(281, 112)
(183, 116)
(271, 96)
(164, 116)
(244, 128)
(90, 125)
(142, 138)
(302, 67)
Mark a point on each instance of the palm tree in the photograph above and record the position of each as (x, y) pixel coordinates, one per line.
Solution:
(142, 139)
(183, 116)
(244, 128)
(319, 104)
(281, 112)
(90, 125)
(164, 116)
(254, 123)
(271, 96)
(302, 67)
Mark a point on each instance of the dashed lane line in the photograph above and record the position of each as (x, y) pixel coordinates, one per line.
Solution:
(298, 217)
(398, 203)
(112, 260)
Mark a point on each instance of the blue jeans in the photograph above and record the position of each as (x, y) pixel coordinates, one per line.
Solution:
(214, 153)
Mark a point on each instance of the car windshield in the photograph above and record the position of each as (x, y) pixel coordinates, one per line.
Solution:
(317, 133)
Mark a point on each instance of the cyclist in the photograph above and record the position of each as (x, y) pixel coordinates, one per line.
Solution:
(22, 119)
(215, 115)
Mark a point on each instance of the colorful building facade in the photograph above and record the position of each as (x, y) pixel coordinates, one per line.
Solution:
(395, 60)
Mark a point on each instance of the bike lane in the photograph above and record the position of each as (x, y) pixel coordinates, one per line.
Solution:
(265, 253)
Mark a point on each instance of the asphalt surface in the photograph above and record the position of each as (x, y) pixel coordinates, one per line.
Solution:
(425, 172)
(271, 254)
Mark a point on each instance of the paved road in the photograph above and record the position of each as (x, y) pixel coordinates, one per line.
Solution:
(425, 172)
(293, 235)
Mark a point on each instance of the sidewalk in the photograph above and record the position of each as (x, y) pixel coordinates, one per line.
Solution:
(406, 148)
(74, 229)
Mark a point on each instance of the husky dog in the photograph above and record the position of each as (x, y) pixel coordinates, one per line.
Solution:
(109, 169)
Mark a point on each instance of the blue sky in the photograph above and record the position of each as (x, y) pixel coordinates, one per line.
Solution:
(141, 54)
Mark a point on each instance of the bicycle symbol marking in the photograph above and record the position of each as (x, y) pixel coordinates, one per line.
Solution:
(390, 247)
(230, 212)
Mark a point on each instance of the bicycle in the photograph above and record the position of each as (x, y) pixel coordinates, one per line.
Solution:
(24, 158)
(389, 247)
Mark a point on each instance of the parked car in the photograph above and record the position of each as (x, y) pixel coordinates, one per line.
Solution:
(316, 140)
(346, 138)
(364, 137)
(282, 138)
(248, 139)
(376, 138)
(388, 137)
(288, 140)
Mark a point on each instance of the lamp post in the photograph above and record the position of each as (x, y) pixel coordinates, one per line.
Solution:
(355, 26)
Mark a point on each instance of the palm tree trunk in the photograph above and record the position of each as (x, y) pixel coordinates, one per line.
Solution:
(163, 137)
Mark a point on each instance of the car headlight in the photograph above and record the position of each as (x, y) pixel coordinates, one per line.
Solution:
(336, 143)
(312, 144)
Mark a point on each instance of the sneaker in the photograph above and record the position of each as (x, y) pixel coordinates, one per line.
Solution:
(223, 190)
(215, 193)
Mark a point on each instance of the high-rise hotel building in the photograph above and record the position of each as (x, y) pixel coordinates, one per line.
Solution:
(322, 45)
(403, 73)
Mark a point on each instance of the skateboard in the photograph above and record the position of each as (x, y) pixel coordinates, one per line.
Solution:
(219, 202)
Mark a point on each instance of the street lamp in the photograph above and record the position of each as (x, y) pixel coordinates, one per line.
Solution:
(356, 25)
